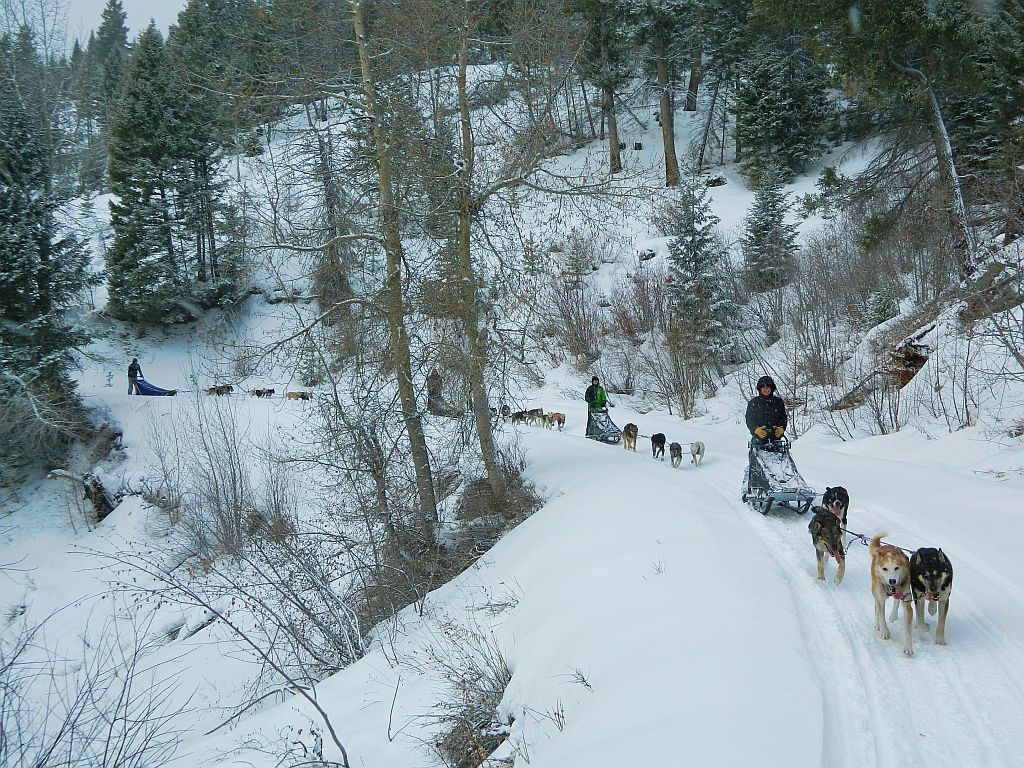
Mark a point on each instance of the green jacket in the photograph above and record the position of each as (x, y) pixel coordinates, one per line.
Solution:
(596, 399)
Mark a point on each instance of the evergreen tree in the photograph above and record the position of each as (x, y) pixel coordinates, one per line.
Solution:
(604, 61)
(914, 64)
(661, 26)
(89, 140)
(201, 71)
(145, 271)
(109, 51)
(769, 241)
(703, 313)
(42, 269)
(782, 107)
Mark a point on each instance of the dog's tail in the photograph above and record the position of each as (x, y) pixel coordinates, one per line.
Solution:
(876, 544)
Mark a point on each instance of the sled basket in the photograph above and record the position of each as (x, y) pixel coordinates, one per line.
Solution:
(145, 388)
(601, 427)
(772, 478)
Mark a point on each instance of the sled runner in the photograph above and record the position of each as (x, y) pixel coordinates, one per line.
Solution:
(772, 478)
(145, 388)
(601, 427)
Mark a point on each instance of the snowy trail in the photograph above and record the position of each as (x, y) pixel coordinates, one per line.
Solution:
(958, 704)
(882, 709)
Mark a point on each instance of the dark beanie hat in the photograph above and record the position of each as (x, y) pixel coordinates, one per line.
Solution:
(766, 381)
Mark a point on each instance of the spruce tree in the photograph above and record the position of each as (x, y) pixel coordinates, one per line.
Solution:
(782, 108)
(109, 51)
(88, 137)
(769, 241)
(704, 317)
(42, 269)
(604, 61)
(195, 66)
(145, 271)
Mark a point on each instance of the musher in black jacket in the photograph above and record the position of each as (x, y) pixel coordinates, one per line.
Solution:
(766, 413)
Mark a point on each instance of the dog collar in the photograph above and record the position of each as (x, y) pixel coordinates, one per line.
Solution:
(895, 592)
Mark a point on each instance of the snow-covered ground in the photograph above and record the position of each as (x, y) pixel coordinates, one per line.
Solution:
(670, 624)
(646, 615)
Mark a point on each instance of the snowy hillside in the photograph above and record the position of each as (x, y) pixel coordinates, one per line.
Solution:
(644, 616)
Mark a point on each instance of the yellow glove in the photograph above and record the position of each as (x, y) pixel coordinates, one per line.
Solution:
(761, 432)
(779, 432)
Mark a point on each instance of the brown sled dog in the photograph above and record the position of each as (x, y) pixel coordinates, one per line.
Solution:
(828, 542)
(629, 433)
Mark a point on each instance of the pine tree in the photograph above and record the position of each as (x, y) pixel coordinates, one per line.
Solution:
(90, 142)
(703, 314)
(42, 270)
(769, 241)
(145, 271)
(604, 61)
(109, 51)
(199, 61)
(782, 107)
(661, 26)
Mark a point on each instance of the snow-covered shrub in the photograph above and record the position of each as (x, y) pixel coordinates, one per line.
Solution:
(471, 725)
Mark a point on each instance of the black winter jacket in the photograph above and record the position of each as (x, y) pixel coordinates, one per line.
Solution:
(766, 412)
(134, 370)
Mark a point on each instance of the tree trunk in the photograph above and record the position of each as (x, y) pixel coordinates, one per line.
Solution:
(393, 292)
(469, 305)
(668, 131)
(696, 65)
(708, 127)
(615, 155)
(586, 103)
(967, 246)
(947, 170)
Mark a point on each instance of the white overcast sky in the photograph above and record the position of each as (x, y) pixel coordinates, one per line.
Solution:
(84, 15)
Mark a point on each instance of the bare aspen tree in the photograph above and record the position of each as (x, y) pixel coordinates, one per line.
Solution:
(394, 302)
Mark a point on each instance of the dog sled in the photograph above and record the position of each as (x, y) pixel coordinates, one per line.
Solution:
(601, 427)
(143, 387)
(772, 479)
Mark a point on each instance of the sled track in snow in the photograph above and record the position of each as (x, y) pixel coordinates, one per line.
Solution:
(880, 708)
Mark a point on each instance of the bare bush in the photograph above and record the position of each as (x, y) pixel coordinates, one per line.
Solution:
(575, 318)
(471, 727)
(113, 711)
(640, 305)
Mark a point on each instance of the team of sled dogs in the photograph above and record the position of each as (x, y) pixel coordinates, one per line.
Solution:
(227, 389)
(926, 574)
(630, 432)
(536, 416)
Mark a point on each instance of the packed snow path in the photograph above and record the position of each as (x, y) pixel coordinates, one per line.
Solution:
(958, 704)
(670, 624)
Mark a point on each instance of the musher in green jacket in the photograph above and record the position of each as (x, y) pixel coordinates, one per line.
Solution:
(595, 396)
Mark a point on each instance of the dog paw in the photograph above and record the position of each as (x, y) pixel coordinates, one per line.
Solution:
(839, 580)
(884, 634)
(940, 641)
(908, 651)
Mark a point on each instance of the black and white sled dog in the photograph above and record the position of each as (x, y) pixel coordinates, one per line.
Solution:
(837, 501)
(828, 541)
(931, 579)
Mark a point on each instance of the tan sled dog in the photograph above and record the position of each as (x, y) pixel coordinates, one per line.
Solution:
(629, 433)
(890, 577)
